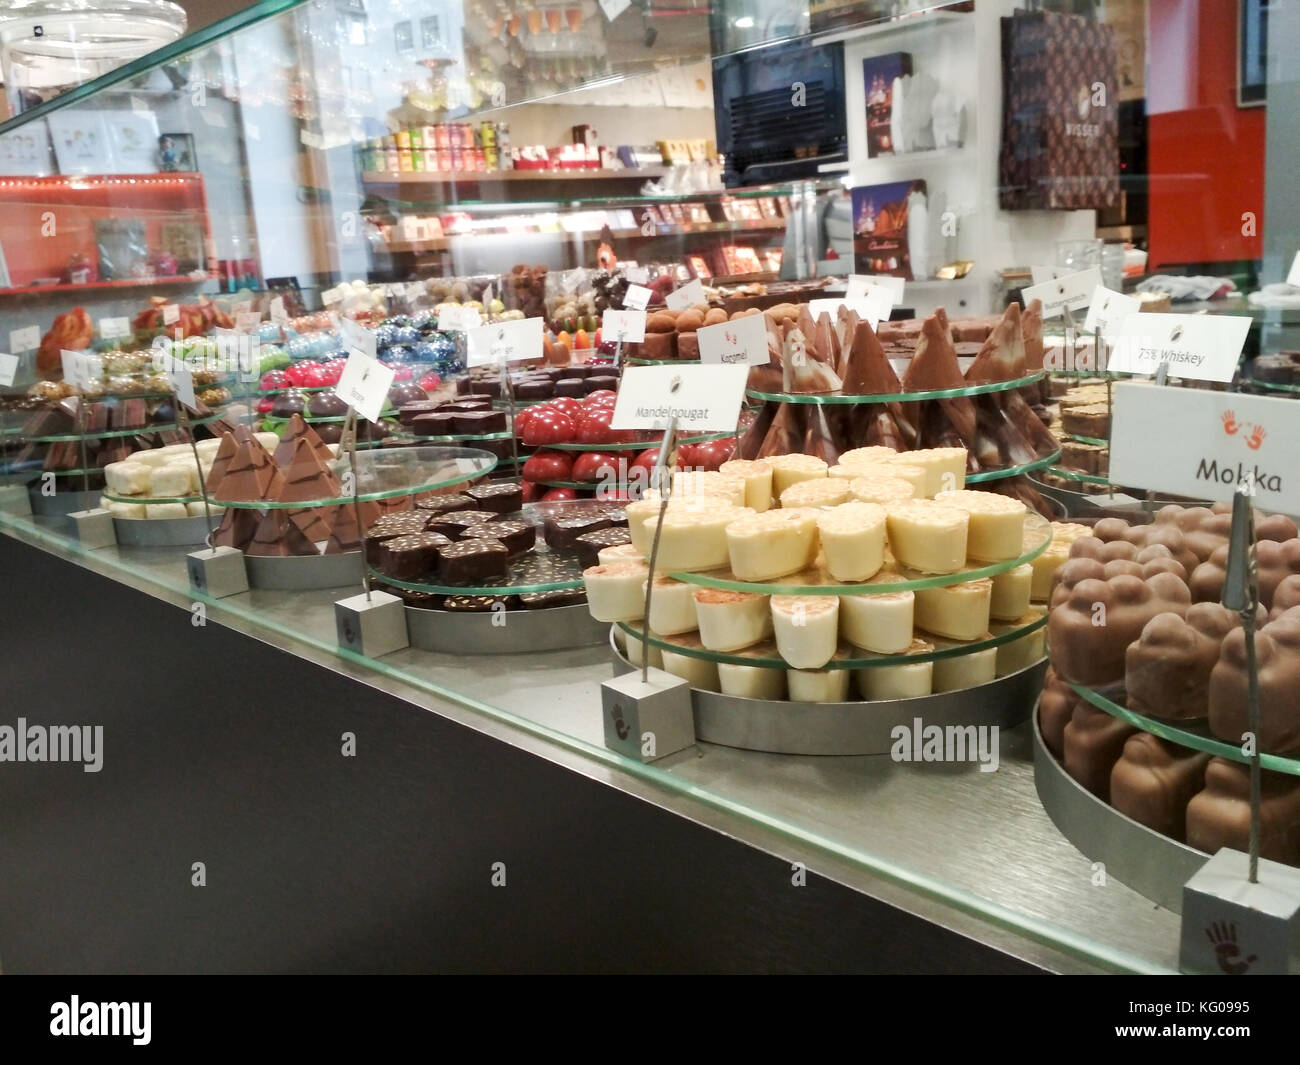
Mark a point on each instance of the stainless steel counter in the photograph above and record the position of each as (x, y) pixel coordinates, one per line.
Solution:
(972, 851)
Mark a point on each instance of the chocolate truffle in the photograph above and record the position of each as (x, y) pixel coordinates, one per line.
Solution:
(501, 497)
(1219, 816)
(410, 411)
(571, 386)
(535, 390)
(404, 392)
(479, 422)
(560, 532)
(1277, 657)
(1055, 708)
(327, 404)
(1153, 782)
(1167, 670)
(1093, 743)
(597, 384)
(409, 557)
(472, 560)
(287, 404)
(434, 423)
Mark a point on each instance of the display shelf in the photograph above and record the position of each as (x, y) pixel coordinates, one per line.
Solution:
(634, 445)
(273, 422)
(1271, 386)
(526, 630)
(389, 473)
(106, 434)
(662, 229)
(921, 20)
(591, 486)
(1076, 475)
(485, 177)
(846, 656)
(90, 286)
(1193, 735)
(985, 476)
(162, 532)
(831, 398)
(454, 438)
(816, 581)
(117, 497)
(539, 570)
(1095, 441)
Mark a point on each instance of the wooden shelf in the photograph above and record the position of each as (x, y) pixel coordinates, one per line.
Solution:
(93, 285)
(752, 226)
(483, 177)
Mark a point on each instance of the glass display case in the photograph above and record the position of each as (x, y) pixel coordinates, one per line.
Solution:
(254, 197)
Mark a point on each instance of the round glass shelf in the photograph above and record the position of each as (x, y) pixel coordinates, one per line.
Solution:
(1012, 471)
(588, 486)
(816, 581)
(541, 569)
(1271, 386)
(501, 403)
(630, 361)
(104, 434)
(150, 500)
(1093, 440)
(90, 471)
(847, 656)
(1076, 475)
(274, 422)
(634, 445)
(453, 438)
(389, 473)
(897, 397)
(1194, 735)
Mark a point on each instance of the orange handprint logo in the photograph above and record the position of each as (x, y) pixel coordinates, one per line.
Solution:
(1256, 437)
(1230, 423)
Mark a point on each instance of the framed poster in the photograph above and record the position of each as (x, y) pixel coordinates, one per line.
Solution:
(184, 240)
(26, 152)
(889, 229)
(133, 141)
(81, 143)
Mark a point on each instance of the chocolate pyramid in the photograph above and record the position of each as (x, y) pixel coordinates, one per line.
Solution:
(312, 522)
(296, 430)
(344, 535)
(305, 477)
(867, 370)
(278, 537)
(846, 328)
(236, 529)
(826, 342)
(1002, 357)
(251, 473)
(934, 367)
(225, 452)
(752, 438)
(818, 439)
(785, 434)
(1031, 328)
(800, 371)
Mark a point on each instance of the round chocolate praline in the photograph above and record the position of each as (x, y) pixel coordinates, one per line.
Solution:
(287, 404)
(405, 392)
(328, 404)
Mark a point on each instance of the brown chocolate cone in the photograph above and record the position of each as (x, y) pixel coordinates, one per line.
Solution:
(785, 435)
(1002, 358)
(251, 473)
(298, 429)
(1031, 328)
(236, 528)
(752, 439)
(278, 537)
(934, 367)
(305, 477)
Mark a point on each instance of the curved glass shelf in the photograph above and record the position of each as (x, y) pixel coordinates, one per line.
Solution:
(832, 398)
(1012, 471)
(90, 471)
(588, 486)
(816, 581)
(1198, 739)
(105, 434)
(150, 500)
(538, 570)
(631, 361)
(275, 421)
(452, 438)
(633, 445)
(1094, 440)
(1076, 475)
(847, 656)
(1271, 386)
(389, 473)
(501, 403)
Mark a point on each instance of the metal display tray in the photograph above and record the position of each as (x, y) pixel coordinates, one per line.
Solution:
(162, 532)
(852, 728)
(300, 573)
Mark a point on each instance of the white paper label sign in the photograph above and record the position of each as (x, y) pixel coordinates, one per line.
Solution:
(688, 295)
(26, 339)
(637, 298)
(171, 313)
(1200, 347)
(874, 306)
(626, 327)
(456, 318)
(77, 368)
(742, 341)
(278, 314)
(248, 321)
(704, 398)
(1070, 290)
(181, 381)
(490, 345)
(1108, 308)
(357, 337)
(364, 384)
(110, 328)
(1293, 278)
(860, 284)
(1042, 274)
(1190, 441)
(8, 370)
(330, 296)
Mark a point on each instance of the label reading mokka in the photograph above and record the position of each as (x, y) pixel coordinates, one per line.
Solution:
(701, 398)
(741, 341)
(1201, 347)
(1073, 291)
(1204, 444)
